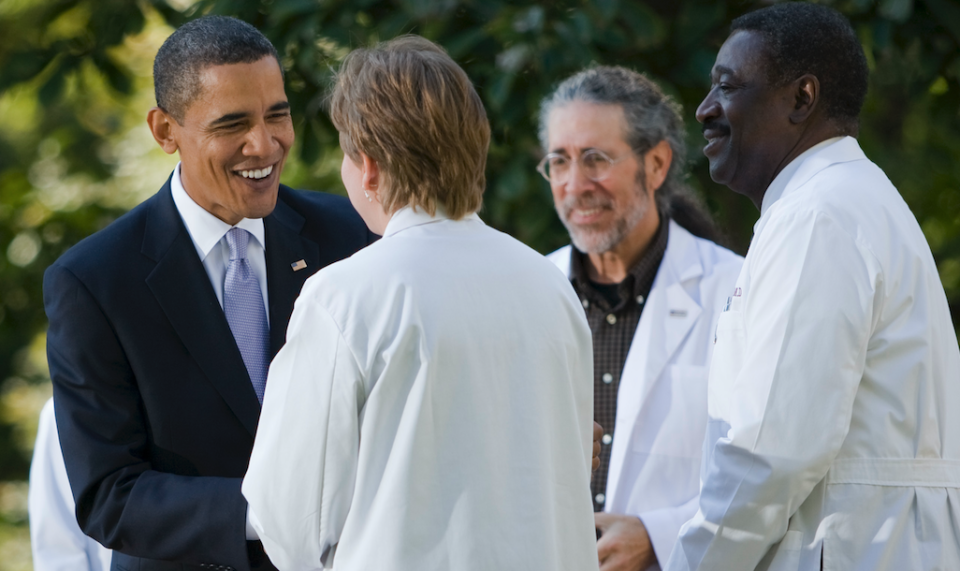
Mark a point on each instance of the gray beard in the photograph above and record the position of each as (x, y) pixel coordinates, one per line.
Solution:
(597, 242)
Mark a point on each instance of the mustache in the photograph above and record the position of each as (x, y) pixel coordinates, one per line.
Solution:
(714, 125)
(586, 202)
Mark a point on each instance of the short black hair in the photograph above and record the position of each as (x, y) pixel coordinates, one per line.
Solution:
(197, 45)
(806, 38)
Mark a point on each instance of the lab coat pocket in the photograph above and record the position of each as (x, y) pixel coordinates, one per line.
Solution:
(727, 360)
(688, 409)
(673, 420)
(786, 554)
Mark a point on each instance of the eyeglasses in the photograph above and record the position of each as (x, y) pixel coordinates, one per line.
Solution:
(594, 164)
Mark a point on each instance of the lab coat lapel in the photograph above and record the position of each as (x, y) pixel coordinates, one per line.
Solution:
(285, 250)
(182, 288)
(669, 315)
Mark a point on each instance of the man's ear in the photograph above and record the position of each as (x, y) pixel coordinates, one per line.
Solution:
(371, 174)
(806, 96)
(162, 126)
(656, 165)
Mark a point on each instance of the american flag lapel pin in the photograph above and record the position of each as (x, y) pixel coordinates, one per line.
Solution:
(298, 265)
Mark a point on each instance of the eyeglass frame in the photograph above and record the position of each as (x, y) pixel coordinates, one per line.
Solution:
(541, 166)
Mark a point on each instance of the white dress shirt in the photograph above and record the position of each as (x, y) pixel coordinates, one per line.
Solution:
(431, 410)
(209, 238)
(834, 435)
(55, 537)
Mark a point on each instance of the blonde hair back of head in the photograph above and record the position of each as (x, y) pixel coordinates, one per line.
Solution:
(407, 105)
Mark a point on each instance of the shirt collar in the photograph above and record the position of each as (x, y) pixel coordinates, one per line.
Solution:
(408, 217)
(204, 228)
(779, 184)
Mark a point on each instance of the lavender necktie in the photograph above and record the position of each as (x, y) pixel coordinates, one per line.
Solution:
(243, 306)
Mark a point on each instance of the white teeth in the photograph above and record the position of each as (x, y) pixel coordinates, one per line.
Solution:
(257, 174)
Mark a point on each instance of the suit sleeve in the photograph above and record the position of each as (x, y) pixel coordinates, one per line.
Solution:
(120, 500)
(304, 463)
(806, 321)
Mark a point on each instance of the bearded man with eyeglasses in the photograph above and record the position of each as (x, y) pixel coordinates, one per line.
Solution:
(652, 281)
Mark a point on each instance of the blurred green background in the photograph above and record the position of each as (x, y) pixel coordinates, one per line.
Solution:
(75, 153)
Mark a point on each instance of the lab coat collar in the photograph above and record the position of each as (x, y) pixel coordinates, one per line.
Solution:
(682, 268)
(410, 216)
(810, 162)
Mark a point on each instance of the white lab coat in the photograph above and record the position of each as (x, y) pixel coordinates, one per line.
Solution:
(431, 410)
(834, 389)
(55, 537)
(657, 443)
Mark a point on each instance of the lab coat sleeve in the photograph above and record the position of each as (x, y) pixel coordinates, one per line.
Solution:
(55, 537)
(663, 526)
(300, 481)
(806, 321)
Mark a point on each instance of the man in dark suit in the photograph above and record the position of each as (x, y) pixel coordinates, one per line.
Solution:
(162, 324)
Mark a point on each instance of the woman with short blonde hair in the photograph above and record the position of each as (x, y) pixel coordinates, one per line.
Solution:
(411, 109)
(432, 408)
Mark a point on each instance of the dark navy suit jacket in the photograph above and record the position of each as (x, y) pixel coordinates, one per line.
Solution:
(156, 411)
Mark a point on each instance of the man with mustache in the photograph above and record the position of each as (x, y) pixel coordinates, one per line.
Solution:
(834, 438)
(652, 291)
(162, 325)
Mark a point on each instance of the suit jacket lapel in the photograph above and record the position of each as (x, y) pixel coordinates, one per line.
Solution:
(285, 247)
(183, 290)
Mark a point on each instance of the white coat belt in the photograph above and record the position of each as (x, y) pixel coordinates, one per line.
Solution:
(902, 472)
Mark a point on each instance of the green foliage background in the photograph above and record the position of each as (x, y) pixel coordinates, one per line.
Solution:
(75, 85)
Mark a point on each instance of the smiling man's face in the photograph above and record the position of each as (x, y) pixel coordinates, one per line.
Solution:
(745, 118)
(598, 214)
(234, 140)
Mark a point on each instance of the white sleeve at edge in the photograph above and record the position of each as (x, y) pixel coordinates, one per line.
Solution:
(56, 541)
(300, 481)
(663, 526)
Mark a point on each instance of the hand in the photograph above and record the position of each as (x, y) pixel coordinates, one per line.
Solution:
(597, 435)
(624, 545)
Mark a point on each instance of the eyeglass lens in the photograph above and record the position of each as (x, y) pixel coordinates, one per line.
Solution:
(594, 165)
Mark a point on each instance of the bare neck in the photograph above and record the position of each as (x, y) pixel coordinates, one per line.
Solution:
(815, 134)
(612, 266)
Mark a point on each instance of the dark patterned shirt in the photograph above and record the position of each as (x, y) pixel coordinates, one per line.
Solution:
(613, 326)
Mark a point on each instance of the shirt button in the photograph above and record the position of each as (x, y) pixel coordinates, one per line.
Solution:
(607, 439)
(607, 378)
(640, 299)
(611, 319)
(586, 303)
(600, 498)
